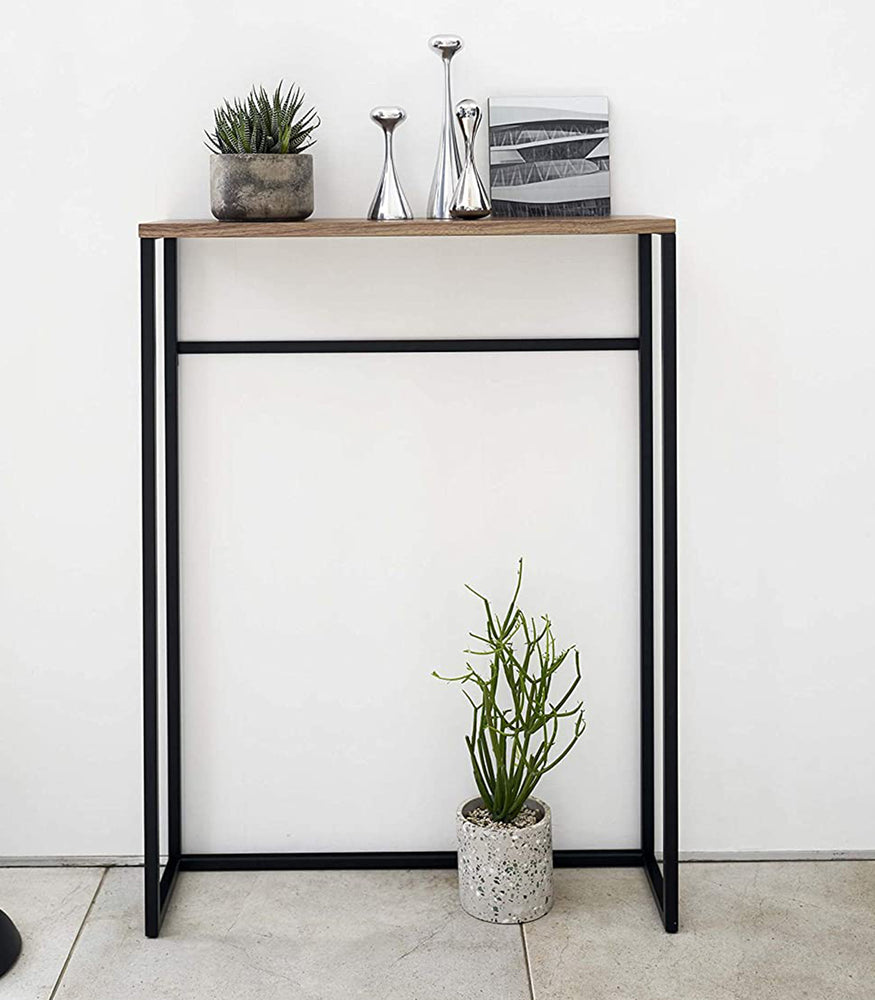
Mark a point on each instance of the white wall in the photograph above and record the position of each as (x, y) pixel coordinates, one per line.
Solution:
(750, 122)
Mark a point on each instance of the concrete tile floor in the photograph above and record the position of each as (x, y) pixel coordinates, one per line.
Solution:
(306, 935)
(749, 931)
(48, 906)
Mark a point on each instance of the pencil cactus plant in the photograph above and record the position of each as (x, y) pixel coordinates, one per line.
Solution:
(517, 721)
(261, 124)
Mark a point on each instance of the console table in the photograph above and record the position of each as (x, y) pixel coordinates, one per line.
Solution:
(159, 886)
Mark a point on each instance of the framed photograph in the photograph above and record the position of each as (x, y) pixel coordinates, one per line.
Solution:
(549, 156)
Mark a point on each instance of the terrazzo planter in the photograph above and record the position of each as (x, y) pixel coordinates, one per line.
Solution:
(505, 874)
(261, 187)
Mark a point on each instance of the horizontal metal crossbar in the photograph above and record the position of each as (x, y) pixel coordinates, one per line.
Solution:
(657, 887)
(407, 346)
(354, 860)
(168, 881)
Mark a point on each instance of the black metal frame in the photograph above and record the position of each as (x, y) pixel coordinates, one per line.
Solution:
(158, 886)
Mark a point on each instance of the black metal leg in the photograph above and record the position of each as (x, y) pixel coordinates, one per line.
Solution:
(159, 886)
(664, 882)
(645, 426)
(670, 585)
(171, 549)
(171, 489)
(150, 591)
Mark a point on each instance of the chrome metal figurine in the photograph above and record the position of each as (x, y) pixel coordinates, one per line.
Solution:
(389, 201)
(449, 164)
(470, 200)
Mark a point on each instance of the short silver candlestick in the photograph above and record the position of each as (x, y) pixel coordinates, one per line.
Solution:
(470, 200)
(389, 201)
(449, 164)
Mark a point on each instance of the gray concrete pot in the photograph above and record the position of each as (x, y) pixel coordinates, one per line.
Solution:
(505, 875)
(261, 187)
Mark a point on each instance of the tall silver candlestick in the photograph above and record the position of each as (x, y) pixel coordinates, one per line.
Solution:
(470, 200)
(449, 164)
(389, 201)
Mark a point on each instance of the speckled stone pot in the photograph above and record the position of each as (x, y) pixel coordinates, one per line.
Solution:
(505, 875)
(261, 187)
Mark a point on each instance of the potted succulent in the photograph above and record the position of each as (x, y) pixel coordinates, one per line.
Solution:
(504, 834)
(259, 170)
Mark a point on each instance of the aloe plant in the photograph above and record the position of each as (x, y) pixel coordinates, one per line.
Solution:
(261, 124)
(516, 724)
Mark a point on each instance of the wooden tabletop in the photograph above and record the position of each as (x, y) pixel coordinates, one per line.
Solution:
(565, 226)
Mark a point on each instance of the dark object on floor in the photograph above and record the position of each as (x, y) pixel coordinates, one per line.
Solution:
(10, 943)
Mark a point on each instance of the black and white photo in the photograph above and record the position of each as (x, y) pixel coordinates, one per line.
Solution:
(549, 156)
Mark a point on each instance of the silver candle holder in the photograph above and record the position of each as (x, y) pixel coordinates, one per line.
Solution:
(449, 165)
(470, 200)
(389, 201)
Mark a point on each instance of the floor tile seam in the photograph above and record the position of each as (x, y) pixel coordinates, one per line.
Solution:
(75, 941)
(528, 962)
